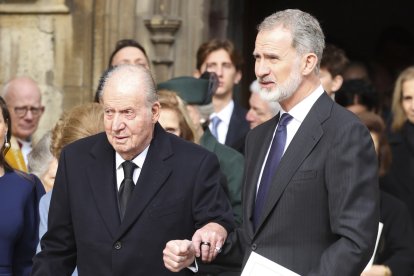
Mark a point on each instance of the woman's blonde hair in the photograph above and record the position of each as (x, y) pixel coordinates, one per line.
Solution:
(399, 116)
(170, 100)
(79, 122)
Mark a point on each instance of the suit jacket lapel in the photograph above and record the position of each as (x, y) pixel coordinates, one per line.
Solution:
(101, 178)
(152, 177)
(306, 138)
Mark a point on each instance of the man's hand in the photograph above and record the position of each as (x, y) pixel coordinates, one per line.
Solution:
(377, 270)
(178, 254)
(208, 241)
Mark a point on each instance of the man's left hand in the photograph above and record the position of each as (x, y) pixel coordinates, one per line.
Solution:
(208, 241)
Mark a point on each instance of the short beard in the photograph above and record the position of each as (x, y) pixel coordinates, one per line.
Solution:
(284, 90)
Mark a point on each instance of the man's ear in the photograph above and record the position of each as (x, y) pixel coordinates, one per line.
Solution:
(238, 77)
(309, 62)
(196, 74)
(337, 83)
(155, 110)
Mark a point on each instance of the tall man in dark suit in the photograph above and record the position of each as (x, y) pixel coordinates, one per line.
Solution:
(228, 122)
(120, 196)
(316, 210)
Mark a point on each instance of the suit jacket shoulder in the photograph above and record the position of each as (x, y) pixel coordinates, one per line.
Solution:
(238, 128)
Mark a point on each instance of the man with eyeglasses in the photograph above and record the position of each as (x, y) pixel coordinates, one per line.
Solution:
(23, 99)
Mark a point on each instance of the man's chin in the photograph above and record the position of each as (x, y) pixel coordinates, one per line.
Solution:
(24, 135)
(271, 95)
(121, 149)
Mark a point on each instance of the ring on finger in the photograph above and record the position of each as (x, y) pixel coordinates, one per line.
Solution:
(205, 243)
(218, 249)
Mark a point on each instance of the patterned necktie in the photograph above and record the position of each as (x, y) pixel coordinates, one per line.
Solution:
(273, 159)
(127, 186)
(215, 122)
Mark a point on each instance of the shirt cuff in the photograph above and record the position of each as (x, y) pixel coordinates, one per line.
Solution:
(194, 266)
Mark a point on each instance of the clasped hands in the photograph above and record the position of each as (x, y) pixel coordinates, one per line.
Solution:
(206, 244)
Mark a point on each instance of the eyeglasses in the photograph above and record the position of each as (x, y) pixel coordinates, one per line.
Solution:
(21, 111)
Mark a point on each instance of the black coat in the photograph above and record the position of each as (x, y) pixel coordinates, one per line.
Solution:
(399, 181)
(178, 191)
(396, 245)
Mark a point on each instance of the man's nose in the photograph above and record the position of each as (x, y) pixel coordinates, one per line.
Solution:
(218, 70)
(29, 115)
(117, 122)
(261, 68)
(250, 115)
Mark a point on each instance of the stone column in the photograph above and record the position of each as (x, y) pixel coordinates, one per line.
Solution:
(163, 27)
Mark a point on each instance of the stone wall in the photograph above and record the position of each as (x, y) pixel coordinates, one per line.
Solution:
(65, 45)
(33, 40)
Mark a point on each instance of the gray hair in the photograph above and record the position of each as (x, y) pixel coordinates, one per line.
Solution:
(274, 105)
(143, 75)
(307, 34)
(40, 156)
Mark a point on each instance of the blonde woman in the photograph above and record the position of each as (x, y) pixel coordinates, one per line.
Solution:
(400, 179)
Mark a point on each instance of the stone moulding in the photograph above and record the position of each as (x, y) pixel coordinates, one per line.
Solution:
(34, 8)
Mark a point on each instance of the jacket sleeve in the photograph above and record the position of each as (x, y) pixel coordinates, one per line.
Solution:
(351, 177)
(58, 244)
(210, 202)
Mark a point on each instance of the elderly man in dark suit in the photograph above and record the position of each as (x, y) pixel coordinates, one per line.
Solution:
(103, 222)
(310, 194)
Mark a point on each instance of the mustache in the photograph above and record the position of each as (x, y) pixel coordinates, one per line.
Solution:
(266, 79)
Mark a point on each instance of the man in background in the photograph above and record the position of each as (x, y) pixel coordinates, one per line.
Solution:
(228, 122)
(333, 64)
(24, 102)
(260, 110)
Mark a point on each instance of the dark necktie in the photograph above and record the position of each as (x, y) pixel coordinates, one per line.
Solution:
(127, 186)
(215, 122)
(273, 159)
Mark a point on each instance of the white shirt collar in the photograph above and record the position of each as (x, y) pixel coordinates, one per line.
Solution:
(225, 113)
(138, 160)
(299, 111)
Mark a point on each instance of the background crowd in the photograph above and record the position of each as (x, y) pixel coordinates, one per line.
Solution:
(202, 109)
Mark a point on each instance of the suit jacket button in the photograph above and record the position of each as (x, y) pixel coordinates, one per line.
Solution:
(118, 245)
(254, 247)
